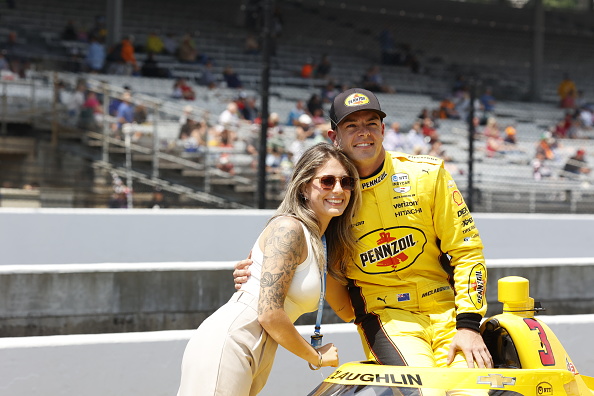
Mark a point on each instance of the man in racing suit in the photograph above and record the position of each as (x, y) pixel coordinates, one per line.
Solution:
(417, 284)
(401, 285)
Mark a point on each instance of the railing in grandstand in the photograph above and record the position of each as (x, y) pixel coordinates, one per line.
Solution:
(21, 102)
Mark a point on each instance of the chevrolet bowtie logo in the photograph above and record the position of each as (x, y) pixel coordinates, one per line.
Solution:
(496, 380)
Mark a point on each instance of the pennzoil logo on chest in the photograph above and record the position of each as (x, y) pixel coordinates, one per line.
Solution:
(390, 250)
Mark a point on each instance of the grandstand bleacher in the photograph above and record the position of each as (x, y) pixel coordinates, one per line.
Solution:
(491, 42)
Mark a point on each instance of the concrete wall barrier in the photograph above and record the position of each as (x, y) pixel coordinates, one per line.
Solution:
(148, 364)
(119, 297)
(79, 236)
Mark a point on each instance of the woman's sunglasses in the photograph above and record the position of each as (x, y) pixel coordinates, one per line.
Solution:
(327, 182)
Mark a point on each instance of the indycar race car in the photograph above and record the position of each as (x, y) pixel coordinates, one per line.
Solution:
(528, 358)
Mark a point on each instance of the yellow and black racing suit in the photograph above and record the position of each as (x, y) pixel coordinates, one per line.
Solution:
(419, 273)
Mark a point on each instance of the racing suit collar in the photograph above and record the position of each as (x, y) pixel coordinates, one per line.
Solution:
(376, 172)
(375, 178)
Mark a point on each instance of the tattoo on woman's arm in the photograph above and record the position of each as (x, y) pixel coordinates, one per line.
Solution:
(269, 279)
(282, 255)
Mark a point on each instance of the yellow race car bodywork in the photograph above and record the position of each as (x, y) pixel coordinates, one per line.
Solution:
(529, 360)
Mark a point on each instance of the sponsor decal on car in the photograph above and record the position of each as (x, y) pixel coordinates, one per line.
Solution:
(544, 389)
(385, 378)
(496, 380)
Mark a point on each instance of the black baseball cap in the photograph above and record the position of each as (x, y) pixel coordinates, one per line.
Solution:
(351, 100)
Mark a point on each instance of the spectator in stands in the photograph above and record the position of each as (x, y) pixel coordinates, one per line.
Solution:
(493, 139)
(429, 129)
(411, 59)
(567, 91)
(188, 52)
(576, 165)
(154, 44)
(230, 116)
(373, 81)
(157, 200)
(70, 32)
(463, 106)
(324, 67)
(183, 90)
(274, 160)
(150, 68)
(187, 114)
(447, 109)
(296, 112)
(4, 64)
(585, 118)
(388, 47)
(491, 128)
(91, 116)
(460, 85)
(224, 138)
(232, 78)
(192, 132)
(247, 106)
(12, 41)
(170, 44)
(303, 132)
(433, 115)
(119, 198)
(436, 150)
(129, 57)
(140, 114)
(329, 92)
(511, 138)
(487, 101)
(547, 146)
(95, 58)
(566, 128)
(417, 143)
(318, 116)
(540, 169)
(98, 30)
(314, 103)
(75, 102)
(581, 102)
(208, 78)
(394, 139)
(251, 45)
(114, 102)
(122, 58)
(124, 113)
(307, 69)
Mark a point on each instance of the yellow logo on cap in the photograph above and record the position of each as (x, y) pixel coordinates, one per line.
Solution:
(356, 99)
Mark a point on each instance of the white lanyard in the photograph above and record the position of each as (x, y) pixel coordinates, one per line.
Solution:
(316, 338)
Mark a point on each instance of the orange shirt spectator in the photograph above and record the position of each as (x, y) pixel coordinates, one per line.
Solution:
(128, 52)
(307, 70)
